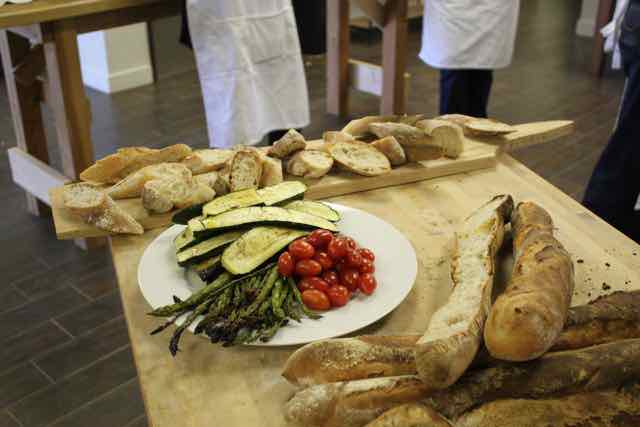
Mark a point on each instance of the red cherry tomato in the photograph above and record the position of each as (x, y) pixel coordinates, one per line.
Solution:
(320, 238)
(349, 277)
(325, 261)
(304, 284)
(338, 295)
(285, 264)
(308, 267)
(318, 283)
(367, 283)
(337, 248)
(316, 300)
(367, 254)
(331, 277)
(300, 249)
(367, 266)
(353, 258)
(350, 242)
(340, 265)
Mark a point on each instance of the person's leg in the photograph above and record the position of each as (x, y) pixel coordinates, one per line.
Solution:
(454, 91)
(615, 183)
(481, 81)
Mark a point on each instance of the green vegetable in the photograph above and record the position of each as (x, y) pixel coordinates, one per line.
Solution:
(314, 208)
(282, 192)
(185, 214)
(207, 248)
(237, 199)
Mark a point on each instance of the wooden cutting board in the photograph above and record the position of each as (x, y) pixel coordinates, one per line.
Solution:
(479, 153)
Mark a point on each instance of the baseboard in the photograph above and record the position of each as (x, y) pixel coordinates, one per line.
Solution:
(585, 27)
(117, 82)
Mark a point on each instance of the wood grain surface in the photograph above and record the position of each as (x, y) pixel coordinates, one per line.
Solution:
(246, 381)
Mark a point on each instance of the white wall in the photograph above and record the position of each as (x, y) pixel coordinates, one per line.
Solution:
(587, 21)
(116, 59)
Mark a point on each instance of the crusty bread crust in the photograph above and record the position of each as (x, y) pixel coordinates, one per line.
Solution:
(132, 185)
(392, 149)
(271, 172)
(454, 334)
(406, 135)
(445, 134)
(246, 169)
(207, 160)
(410, 415)
(310, 164)
(291, 142)
(360, 158)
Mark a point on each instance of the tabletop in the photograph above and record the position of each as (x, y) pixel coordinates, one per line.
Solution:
(209, 385)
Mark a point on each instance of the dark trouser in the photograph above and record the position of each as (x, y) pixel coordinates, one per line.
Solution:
(615, 184)
(465, 91)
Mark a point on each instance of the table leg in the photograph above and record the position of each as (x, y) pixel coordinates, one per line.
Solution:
(394, 57)
(605, 13)
(338, 57)
(24, 101)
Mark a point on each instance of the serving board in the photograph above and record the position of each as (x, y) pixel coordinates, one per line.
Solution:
(479, 153)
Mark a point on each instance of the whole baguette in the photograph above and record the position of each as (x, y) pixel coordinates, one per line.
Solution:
(410, 415)
(355, 403)
(527, 318)
(454, 333)
(602, 409)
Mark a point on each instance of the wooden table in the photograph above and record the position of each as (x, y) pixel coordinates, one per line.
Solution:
(206, 385)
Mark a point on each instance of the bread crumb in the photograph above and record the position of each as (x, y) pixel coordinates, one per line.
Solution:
(607, 264)
(580, 261)
(605, 287)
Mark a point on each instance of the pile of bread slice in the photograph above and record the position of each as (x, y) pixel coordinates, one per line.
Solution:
(528, 359)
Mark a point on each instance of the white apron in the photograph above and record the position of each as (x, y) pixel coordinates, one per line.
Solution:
(464, 34)
(250, 68)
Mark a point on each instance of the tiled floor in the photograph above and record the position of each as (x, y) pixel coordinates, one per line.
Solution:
(64, 352)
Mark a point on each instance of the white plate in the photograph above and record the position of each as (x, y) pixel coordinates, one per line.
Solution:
(160, 278)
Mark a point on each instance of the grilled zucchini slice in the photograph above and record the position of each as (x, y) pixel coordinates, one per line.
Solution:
(285, 191)
(208, 269)
(256, 246)
(184, 239)
(185, 214)
(237, 199)
(207, 248)
(314, 208)
(253, 216)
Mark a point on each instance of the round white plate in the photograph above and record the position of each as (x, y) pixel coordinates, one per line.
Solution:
(161, 278)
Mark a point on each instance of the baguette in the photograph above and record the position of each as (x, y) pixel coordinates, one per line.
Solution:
(391, 149)
(291, 142)
(606, 319)
(337, 136)
(132, 185)
(271, 171)
(97, 208)
(355, 403)
(360, 158)
(445, 134)
(610, 408)
(360, 127)
(410, 415)
(310, 164)
(528, 317)
(207, 160)
(125, 161)
(163, 195)
(454, 334)
(476, 126)
(406, 135)
(246, 169)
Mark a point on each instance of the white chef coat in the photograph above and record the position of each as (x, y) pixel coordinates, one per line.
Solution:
(468, 34)
(250, 68)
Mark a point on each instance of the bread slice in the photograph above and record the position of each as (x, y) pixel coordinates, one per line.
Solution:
(97, 208)
(392, 149)
(411, 415)
(125, 161)
(337, 136)
(291, 142)
(246, 169)
(476, 126)
(132, 185)
(207, 160)
(310, 164)
(445, 134)
(210, 179)
(163, 195)
(360, 127)
(360, 158)
(405, 134)
(271, 171)
(454, 333)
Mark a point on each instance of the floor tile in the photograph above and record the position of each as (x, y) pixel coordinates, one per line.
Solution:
(20, 382)
(11, 299)
(92, 315)
(7, 421)
(97, 283)
(34, 342)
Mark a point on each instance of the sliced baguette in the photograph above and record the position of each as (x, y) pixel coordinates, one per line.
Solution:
(337, 136)
(360, 158)
(476, 126)
(125, 161)
(246, 169)
(360, 127)
(454, 334)
(410, 415)
(405, 134)
(392, 149)
(207, 160)
(291, 142)
(310, 164)
(163, 195)
(97, 208)
(271, 172)
(132, 185)
(445, 134)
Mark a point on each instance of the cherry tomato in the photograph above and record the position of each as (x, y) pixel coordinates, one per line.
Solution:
(367, 266)
(367, 254)
(340, 265)
(301, 249)
(318, 283)
(353, 258)
(320, 238)
(337, 248)
(308, 267)
(325, 261)
(338, 295)
(367, 283)
(349, 277)
(350, 242)
(285, 264)
(304, 284)
(316, 300)
(331, 277)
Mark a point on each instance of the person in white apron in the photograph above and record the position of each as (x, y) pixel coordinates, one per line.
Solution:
(250, 68)
(467, 40)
